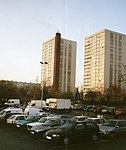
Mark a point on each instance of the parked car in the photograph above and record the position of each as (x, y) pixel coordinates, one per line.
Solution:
(114, 128)
(73, 132)
(98, 121)
(90, 108)
(7, 112)
(14, 118)
(38, 123)
(62, 116)
(98, 109)
(51, 123)
(120, 111)
(79, 118)
(22, 124)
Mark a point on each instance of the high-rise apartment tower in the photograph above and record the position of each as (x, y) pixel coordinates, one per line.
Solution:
(104, 60)
(59, 64)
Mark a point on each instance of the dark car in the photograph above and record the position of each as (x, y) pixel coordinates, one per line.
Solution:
(51, 123)
(73, 132)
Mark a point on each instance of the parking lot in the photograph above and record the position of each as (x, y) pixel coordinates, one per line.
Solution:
(13, 139)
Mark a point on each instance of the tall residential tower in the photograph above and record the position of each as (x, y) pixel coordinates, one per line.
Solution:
(60, 68)
(104, 60)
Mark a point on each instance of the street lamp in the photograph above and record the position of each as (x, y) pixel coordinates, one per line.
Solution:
(42, 63)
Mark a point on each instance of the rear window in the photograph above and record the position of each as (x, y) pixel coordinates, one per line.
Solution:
(81, 119)
(90, 125)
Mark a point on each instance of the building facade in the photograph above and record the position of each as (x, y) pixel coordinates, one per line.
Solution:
(104, 60)
(21, 84)
(59, 64)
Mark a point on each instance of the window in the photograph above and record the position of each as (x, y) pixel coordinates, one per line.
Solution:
(96, 121)
(90, 125)
(8, 112)
(120, 124)
(79, 126)
(101, 120)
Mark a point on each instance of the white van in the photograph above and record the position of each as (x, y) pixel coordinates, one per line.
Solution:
(12, 102)
(6, 113)
(32, 111)
(37, 103)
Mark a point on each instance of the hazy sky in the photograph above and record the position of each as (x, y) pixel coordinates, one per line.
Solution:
(26, 24)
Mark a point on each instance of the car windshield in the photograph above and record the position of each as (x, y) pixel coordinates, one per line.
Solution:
(29, 118)
(42, 120)
(12, 117)
(49, 122)
(68, 124)
(74, 118)
(110, 123)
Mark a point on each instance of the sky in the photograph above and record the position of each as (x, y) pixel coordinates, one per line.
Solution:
(26, 24)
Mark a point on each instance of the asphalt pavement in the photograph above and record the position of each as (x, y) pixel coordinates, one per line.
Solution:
(13, 139)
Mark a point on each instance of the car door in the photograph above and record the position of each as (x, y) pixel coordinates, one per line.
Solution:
(80, 132)
(120, 128)
(124, 129)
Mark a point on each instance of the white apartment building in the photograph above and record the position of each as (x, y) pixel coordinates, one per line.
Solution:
(104, 60)
(59, 64)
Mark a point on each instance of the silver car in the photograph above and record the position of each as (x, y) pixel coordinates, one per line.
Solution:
(114, 128)
(13, 119)
(98, 121)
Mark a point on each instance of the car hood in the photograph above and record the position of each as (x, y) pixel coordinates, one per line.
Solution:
(34, 124)
(24, 122)
(106, 128)
(39, 128)
(56, 131)
(43, 128)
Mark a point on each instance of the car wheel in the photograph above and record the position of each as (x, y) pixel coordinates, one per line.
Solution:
(94, 137)
(112, 135)
(66, 141)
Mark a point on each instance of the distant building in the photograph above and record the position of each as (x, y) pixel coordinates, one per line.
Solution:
(59, 64)
(20, 84)
(104, 60)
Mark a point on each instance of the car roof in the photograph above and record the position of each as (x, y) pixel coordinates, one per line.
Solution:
(95, 118)
(80, 116)
(19, 115)
(117, 120)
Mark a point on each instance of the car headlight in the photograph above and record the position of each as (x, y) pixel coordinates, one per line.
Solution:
(103, 131)
(55, 135)
(37, 130)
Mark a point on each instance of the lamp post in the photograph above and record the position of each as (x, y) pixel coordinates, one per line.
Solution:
(42, 63)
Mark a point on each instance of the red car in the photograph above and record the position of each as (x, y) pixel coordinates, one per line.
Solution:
(120, 111)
